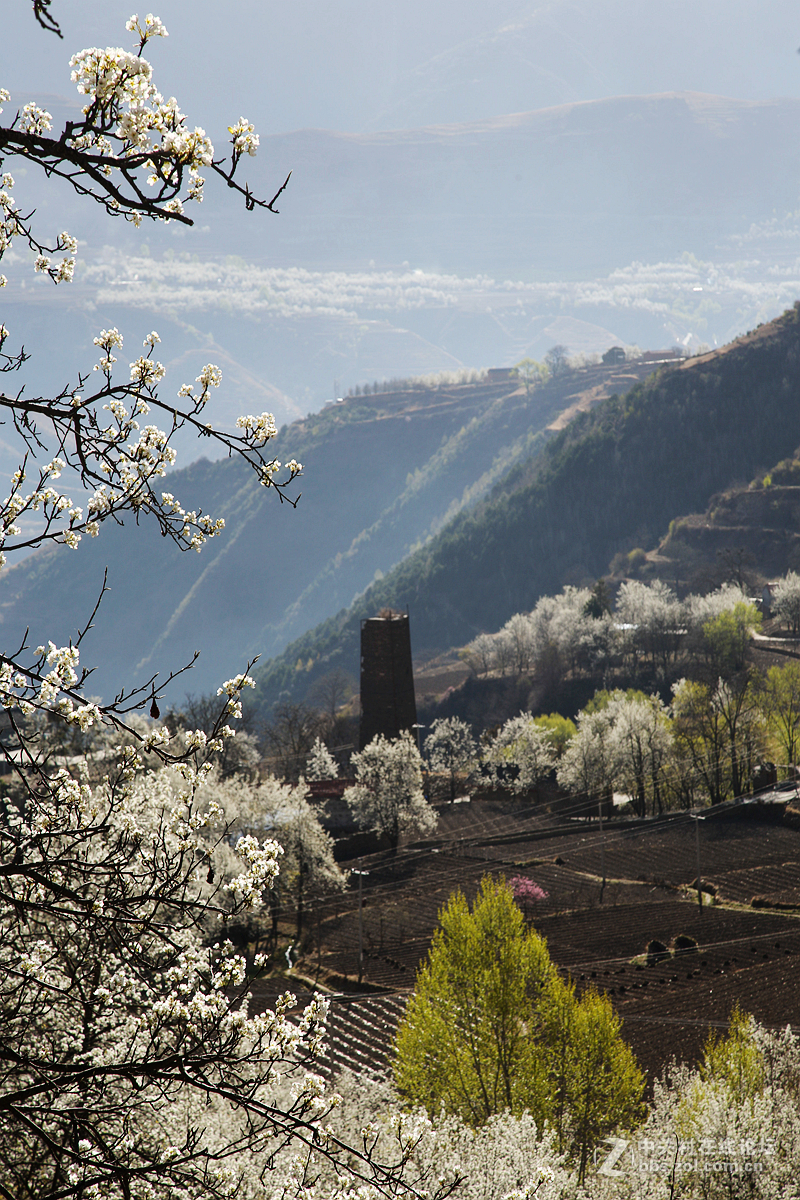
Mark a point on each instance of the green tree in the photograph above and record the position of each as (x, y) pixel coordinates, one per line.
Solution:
(780, 703)
(531, 373)
(604, 1084)
(726, 637)
(492, 1027)
(559, 729)
(720, 730)
(466, 1041)
(735, 1061)
(700, 737)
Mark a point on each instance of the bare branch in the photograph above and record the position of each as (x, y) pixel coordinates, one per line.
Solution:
(45, 18)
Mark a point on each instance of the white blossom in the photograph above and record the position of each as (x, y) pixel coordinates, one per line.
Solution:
(387, 796)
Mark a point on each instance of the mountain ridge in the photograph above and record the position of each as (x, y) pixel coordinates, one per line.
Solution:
(380, 469)
(611, 481)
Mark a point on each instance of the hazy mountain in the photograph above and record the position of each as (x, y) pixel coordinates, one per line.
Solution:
(568, 192)
(638, 220)
(376, 64)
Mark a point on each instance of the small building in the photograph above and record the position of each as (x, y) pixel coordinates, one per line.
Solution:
(768, 598)
(500, 374)
(659, 356)
(613, 356)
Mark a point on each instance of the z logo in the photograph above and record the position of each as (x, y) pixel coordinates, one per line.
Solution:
(618, 1148)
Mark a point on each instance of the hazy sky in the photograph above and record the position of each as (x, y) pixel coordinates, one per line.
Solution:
(368, 64)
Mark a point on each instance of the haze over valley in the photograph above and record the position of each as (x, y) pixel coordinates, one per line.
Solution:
(469, 187)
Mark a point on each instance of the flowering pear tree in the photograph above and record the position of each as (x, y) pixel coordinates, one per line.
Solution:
(308, 868)
(589, 765)
(640, 746)
(787, 600)
(387, 797)
(130, 1066)
(451, 748)
(134, 154)
(521, 755)
(320, 763)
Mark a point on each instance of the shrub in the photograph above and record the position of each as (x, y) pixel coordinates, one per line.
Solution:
(656, 952)
(684, 943)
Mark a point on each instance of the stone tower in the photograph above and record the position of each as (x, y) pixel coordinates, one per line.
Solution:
(388, 705)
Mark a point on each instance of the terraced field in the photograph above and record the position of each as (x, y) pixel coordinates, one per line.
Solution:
(745, 954)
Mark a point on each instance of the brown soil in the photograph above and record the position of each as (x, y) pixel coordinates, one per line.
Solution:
(746, 955)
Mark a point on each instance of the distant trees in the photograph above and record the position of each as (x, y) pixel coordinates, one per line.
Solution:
(331, 691)
(526, 893)
(282, 810)
(647, 629)
(289, 737)
(387, 796)
(780, 703)
(722, 721)
(308, 865)
(531, 373)
(624, 742)
(557, 359)
(599, 602)
(519, 642)
(718, 730)
(492, 1027)
(653, 623)
(725, 639)
(641, 745)
(560, 626)
(589, 765)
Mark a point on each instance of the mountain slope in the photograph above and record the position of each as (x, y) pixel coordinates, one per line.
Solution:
(381, 473)
(612, 480)
(640, 220)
